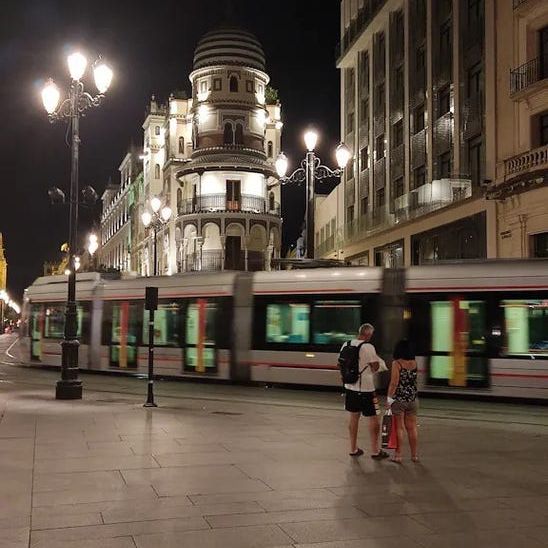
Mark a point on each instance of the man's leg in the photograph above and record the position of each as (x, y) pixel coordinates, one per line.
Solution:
(374, 431)
(353, 424)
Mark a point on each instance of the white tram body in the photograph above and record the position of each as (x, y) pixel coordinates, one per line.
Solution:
(479, 329)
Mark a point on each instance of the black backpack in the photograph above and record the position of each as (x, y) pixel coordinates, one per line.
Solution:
(349, 362)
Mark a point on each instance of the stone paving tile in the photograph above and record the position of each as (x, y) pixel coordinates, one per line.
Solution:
(390, 542)
(268, 536)
(57, 520)
(88, 464)
(115, 530)
(118, 542)
(349, 529)
(171, 447)
(44, 482)
(226, 457)
(484, 539)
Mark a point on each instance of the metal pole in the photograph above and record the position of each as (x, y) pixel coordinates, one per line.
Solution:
(70, 387)
(309, 218)
(155, 269)
(150, 387)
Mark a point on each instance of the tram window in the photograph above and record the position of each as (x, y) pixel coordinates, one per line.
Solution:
(335, 321)
(288, 323)
(458, 340)
(124, 332)
(166, 325)
(526, 326)
(54, 321)
(201, 330)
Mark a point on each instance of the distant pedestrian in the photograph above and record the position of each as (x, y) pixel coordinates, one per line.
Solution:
(402, 397)
(360, 397)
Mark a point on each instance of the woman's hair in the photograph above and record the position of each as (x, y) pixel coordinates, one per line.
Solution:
(404, 350)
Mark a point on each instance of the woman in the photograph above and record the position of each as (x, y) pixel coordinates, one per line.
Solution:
(402, 397)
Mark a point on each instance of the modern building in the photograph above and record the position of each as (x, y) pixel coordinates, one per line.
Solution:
(3, 266)
(520, 188)
(210, 157)
(414, 89)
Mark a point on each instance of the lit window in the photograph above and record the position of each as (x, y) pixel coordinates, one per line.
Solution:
(288, 323)
(526, 327)
(335, 321)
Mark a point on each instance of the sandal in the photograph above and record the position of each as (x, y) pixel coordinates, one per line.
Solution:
(395, 458)
(380, 455)
(357, 453)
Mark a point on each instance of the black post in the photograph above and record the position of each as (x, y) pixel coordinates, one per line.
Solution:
(309, 233)
(151, 303)
(70, 387)
(155, 269)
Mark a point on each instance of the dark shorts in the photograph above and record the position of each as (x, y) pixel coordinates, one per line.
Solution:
(405, 407)
(365, 403)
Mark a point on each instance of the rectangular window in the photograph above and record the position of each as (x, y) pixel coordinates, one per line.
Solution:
(364, 205)
(446, 32)
(475, 160)
(166, 325)
(350, 122)
(249, 86)
(420, 65)
(526, 327)
(380, 197)
(398, 83)
(419, 177)
(379, 147)
(349, 213)
(398, 187)
(54, 321)
(539, 245)
(458, 342)
(420, 118)
(364, 69)
(444, 165)
(200, 336)
(397, 134)
(335, 321)
(543, 129)
(288, 323)
(124, 333)
(474, 80)
(364, 158)
(380, 99)
(444, 101)
(217, 84)
(203, 86)
(157, 130)
(364, 115)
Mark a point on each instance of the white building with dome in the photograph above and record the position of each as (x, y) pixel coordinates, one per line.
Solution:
(211, 158)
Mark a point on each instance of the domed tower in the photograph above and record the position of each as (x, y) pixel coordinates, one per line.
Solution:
(227, 202)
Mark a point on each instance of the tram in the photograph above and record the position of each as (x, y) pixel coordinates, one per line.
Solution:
(478, 328)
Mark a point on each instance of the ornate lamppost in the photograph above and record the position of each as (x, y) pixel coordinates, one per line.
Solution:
(156, 220)
(310, 170)
(78, 101)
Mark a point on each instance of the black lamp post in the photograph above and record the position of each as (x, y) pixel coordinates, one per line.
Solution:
(78, 101)
(310, 170)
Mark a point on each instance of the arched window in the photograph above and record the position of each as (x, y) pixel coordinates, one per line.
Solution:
(270, 149)
(157, 171)
(179, 200)
(271, 204)
(233, 85)
(181, 145)
(228, 136)
(239, 135)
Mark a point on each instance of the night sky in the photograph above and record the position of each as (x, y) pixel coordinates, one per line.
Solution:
(150, 46)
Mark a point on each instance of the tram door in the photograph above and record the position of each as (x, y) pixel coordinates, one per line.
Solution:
(36, 330)
(124, 335)
(200, 336)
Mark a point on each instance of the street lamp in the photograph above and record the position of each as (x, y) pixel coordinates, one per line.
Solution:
(93, 246)
(77, 102)
(310, 170)
(156, 220)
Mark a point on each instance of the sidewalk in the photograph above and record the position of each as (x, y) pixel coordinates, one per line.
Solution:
(232, 467)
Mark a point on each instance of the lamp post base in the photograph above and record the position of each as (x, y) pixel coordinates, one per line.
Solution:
(68, 390)
(150, 396)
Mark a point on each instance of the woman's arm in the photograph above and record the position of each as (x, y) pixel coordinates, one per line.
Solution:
(394, 379)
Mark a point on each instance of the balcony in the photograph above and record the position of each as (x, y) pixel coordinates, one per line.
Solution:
(416, 203)
(215, 259)
(527, 162)
(528, 74)
(210, 203)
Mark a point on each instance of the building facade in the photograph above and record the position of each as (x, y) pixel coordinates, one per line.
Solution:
(3, 266)
(210, 157)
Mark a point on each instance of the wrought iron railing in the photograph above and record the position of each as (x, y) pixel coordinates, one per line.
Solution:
(215, 259)
(530, 160)
(528, 74)
(208, 203)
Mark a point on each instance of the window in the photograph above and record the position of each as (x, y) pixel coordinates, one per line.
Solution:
(364, 158)
(420, 118)
(350, 122)
(335, 321)
(364, 205)
(444, 165)
(380, 96)
(474, 80)
(228, 134)
(419, 176)
(239, 134)
(398, 83)
(420, 65)
(217, 84)
(539, 245)
(181, 145)
(122, 333)
(397, 134)
(166, 325)
(364, 69)
(446, 32)
(543, 129)
(157, 130)
(380, 198)
(233, 84)
(249, 86)
(203, 86)
(543, 51)
(444, 101)
(200, 331)
(350, 213)
(475, 10)
(525, 327)
(379, 147)
(270, 149)
(458, 341)
(364, 114)
(288, 323)
(475, 160)
(157, 171)
(54, 321)
(398, 187)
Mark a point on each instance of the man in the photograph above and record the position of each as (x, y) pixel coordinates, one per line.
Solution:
(360, 397)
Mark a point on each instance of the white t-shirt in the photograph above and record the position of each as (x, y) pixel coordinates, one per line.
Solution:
(368, 355)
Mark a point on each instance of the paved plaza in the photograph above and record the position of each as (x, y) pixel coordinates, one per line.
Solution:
(218, 466)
